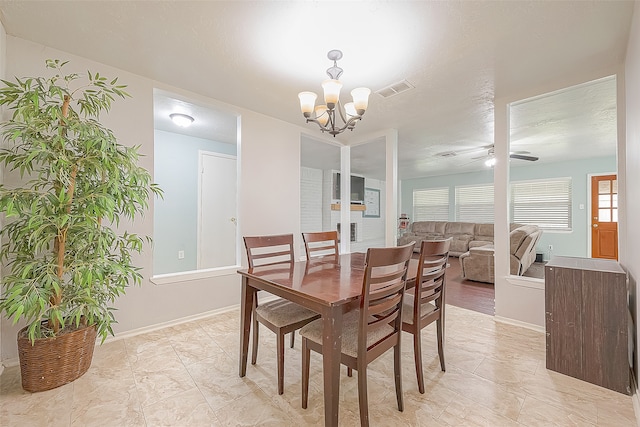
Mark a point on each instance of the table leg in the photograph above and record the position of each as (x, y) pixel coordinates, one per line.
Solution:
(331, 350)
(246, 305)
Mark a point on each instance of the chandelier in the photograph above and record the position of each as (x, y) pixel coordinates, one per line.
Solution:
(325, 114)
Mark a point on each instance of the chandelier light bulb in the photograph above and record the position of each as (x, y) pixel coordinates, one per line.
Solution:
(321, 114)
(361, 99)
(331, 92)
(307, 101)
(350, 109)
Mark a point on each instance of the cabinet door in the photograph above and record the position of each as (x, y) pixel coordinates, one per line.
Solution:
(605, 330)
(563, 296)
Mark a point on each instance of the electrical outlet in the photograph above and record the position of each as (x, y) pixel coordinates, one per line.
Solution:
(180, 254)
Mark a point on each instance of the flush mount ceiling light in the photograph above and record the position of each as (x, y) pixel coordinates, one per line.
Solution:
(325, 114)
(182, 120)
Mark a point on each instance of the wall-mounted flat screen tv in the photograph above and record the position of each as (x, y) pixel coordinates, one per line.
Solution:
(357, 188)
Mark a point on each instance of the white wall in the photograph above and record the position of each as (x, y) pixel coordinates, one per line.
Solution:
(629, 160)
(269, 182)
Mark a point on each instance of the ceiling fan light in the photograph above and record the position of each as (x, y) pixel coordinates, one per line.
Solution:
(182, 120)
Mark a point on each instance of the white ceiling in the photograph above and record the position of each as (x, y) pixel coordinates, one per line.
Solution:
(460, 56)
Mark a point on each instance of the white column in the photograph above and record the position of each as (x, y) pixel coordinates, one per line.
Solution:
(391, 188)
(345, 202)
(501, 205)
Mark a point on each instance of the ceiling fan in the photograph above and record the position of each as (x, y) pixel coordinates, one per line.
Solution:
(520, 155)
(490, 154)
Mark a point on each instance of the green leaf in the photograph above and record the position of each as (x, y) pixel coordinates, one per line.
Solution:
(18, 314)
(43, 214)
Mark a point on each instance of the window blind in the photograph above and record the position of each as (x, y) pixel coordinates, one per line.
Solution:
(545, 203)
(474, 203)
(431, 204)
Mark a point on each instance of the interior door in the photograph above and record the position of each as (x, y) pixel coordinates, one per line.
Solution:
(604, 217)
(217, 211)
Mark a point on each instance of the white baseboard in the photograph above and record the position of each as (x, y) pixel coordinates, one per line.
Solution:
(175, 322)
(10, 363)
(128, 334)
(514, 322)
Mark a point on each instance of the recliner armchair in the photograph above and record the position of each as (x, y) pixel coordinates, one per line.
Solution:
(478, 263)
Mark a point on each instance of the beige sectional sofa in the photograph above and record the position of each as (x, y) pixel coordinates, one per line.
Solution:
(473, 243)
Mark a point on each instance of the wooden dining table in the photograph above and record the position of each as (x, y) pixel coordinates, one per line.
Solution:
(326, 285)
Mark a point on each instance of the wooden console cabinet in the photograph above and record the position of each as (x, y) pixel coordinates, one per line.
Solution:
(587, 319)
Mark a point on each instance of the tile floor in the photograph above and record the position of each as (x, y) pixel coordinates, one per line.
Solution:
(187, 376)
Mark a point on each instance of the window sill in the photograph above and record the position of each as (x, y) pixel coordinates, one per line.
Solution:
(526, 282)
(185, 276)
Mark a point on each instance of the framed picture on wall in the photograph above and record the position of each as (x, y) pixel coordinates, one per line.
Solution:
(371, 203)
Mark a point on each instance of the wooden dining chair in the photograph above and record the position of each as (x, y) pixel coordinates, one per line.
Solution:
(425, 304)
(323, 243)
(371, 330)
(280, 316)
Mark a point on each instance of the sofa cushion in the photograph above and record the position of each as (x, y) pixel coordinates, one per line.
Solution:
(479, 243)
(459, 244)
(461, 234)
(478, 264)
(432, 227)
(433, 236)
(454, 228)
(483, 232)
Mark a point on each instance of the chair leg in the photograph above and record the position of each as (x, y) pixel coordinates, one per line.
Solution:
(306, 353)
(417, 356)
(293, 338)
(280, 351)
(362, 395)
(254, 346)
(440, 334)
(397, 368)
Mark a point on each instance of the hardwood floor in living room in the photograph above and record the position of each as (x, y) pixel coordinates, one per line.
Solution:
(476, 296)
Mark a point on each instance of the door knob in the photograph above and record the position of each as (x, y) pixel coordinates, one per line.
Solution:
(595, 225)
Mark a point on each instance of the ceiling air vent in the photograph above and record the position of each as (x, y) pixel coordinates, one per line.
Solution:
(394, 89)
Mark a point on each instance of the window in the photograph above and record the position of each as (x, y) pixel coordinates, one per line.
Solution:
(545, 203)
(474, 203)
(431, 204)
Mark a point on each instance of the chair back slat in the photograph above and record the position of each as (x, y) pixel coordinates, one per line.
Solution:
(430, 280)
(322, 243)
(383, 288)
(268, 250)
(430, 297)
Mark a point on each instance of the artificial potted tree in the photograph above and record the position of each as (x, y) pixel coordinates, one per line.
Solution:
(65, 258)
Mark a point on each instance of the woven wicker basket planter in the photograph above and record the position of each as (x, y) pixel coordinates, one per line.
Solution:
(53, 362)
